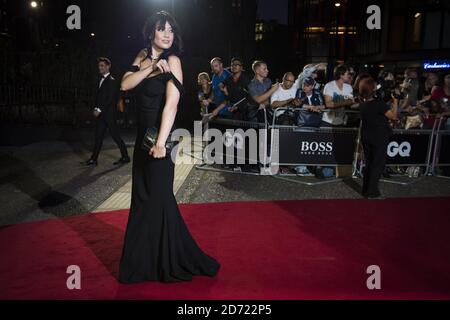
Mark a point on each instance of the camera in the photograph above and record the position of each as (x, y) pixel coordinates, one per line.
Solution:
(398, 96)
(387, 89)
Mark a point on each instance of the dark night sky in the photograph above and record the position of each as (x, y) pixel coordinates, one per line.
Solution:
(273, 9)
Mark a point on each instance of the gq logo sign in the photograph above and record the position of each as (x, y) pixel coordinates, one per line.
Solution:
(403, 150)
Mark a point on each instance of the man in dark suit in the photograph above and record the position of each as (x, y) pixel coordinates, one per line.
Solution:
(105, 112)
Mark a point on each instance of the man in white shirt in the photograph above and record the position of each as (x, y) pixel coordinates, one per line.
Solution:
(338, 95)
(102, 79)
(285, 94)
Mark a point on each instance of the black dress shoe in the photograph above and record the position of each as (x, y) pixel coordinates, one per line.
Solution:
(122, 160)
(90, 162)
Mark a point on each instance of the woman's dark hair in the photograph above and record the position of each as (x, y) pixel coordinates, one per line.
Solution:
(367, 88)
(158, 21)
(361, 76)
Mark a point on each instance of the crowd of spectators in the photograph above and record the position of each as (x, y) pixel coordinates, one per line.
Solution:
(234, 93)
(306, 100)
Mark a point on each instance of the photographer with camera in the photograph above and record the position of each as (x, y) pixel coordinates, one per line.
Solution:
(375, 132)
(386, 86)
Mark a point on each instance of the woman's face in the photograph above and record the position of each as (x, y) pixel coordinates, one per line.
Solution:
(447, 80)
(164, 36)
(203, 81)
(432, 78)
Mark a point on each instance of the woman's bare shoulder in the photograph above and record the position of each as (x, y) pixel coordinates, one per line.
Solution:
(173, 59)
(174, 63)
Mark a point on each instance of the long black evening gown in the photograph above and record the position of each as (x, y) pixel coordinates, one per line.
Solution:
(158, 245)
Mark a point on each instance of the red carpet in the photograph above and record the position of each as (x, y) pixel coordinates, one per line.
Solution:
(268, 250)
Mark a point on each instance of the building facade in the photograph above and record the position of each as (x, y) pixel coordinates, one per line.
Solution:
(413, 33)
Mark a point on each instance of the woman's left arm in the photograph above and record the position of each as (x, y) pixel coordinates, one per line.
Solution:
(172, 99)
(392, 113)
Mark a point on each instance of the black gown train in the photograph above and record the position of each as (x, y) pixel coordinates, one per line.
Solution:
(157, 245)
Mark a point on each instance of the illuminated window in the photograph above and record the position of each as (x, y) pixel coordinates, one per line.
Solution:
(417, 27)
(413, 34)
(259, 27)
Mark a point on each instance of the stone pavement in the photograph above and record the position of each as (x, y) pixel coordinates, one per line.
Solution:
(121, 198)
(41, 178)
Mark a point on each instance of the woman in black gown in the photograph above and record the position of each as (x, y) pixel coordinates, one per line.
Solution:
(158, 245)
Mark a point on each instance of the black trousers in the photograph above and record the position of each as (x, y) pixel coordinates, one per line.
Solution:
(100, 130)
(375, 146)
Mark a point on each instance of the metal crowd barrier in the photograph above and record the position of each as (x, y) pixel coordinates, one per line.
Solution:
(441, 155)
(323, 146)
(344, 153)
(406, 149)
(330, 147)
(223, 124)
